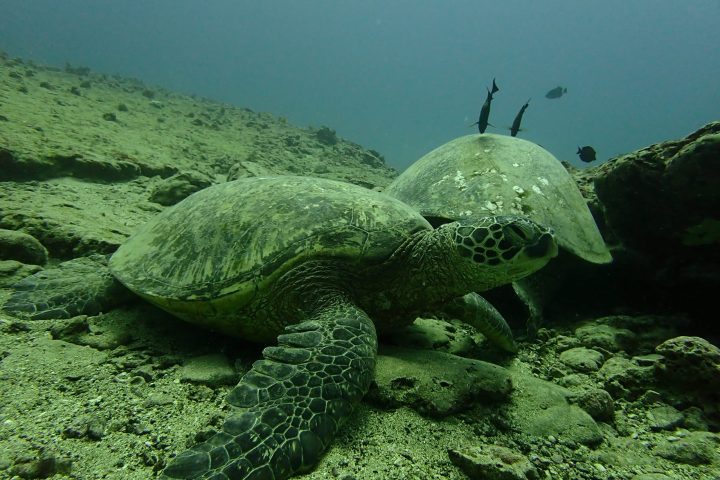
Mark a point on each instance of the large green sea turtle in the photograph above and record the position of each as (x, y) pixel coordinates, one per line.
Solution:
(500, 175)
(309, 262)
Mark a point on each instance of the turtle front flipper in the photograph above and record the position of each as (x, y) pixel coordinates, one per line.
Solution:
(291, 403)
(80, 286)
(478, 312)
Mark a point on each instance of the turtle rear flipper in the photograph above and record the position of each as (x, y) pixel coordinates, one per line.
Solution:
(290, 404)
(79, 286)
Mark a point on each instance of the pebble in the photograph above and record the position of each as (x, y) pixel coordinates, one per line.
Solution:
(158, 399)
(211, 370)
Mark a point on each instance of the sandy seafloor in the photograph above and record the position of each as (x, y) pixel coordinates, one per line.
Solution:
(115, 395)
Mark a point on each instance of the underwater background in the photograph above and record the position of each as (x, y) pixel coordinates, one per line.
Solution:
(404, 76)
(112, 113)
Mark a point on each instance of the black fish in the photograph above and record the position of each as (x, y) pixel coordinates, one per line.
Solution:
(556, 92)
(482, 122)
(586, 153)
(518, 118)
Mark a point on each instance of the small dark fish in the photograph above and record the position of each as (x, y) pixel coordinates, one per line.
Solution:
(518, 118)
(586, 153)
(556, 92)
(482, 122)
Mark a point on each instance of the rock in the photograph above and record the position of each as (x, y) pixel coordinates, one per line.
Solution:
(649, 360)
(158, 399)
(570, 423)
(582, 359)
(72, 218)
(649, 398)
(673, 266)
(597, 403)
(179, 186)
(562, 342)
(624, 378)
(696, 448)
(647, 330)
(22, 247)
(12, 271)
(15, 166)
(679, 178)
(694, 419)
(606, 337)
(664, 417)
(435, 383)
(86, 426)
(690, 361)
(103, 332)
(493, 462)
(326, 135)
(428, 333)
(574, 380)
(247, 168)
(69, 329)
(44, 466)
(541, 409)
(211, 370)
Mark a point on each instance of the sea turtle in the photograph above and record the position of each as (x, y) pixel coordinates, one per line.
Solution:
(307, 261)
(488, 174)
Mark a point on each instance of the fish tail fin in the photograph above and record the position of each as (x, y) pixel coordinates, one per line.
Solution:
(494, 87)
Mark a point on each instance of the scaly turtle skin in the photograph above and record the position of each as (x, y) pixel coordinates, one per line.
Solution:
(308, 261)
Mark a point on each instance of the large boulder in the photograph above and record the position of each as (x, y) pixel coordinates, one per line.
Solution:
(660, 209)
(665, 196)
(690, 362)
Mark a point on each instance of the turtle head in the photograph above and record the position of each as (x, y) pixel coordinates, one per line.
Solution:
(497, 250)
